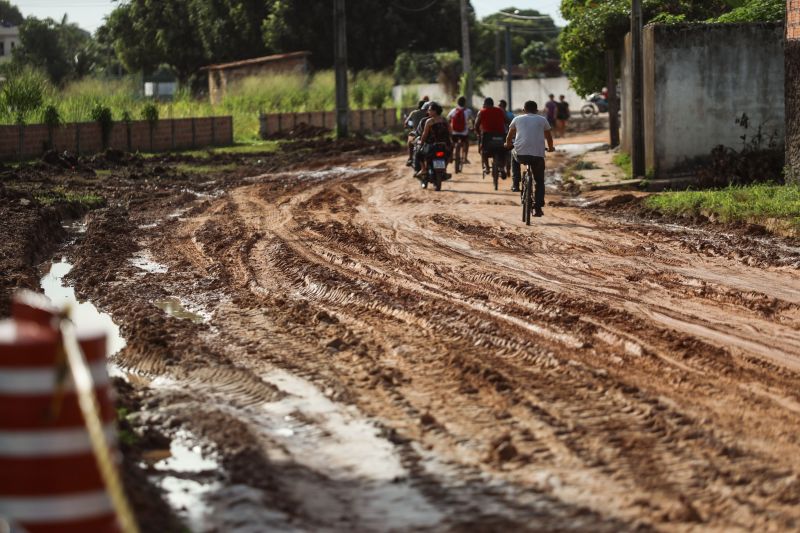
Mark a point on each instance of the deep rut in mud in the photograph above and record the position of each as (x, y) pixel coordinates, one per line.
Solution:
(371, 356)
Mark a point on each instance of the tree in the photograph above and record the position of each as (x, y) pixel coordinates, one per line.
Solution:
(149, 33)
(229, 29)
(61, 49)
(10, 13)
(373, 39)
(490, 53)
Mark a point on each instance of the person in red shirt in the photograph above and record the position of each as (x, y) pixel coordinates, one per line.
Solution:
(490, 123)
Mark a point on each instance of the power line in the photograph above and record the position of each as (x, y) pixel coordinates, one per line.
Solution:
(415, 10)
(524, 17)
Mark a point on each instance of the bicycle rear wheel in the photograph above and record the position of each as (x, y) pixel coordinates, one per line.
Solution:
(528, 200)
(495, 172)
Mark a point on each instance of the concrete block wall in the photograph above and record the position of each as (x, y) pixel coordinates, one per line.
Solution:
(792, 87)
(32, 140)
(698, 79)
(361, 120)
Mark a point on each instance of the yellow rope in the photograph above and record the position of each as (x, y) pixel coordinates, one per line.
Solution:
(91, 415)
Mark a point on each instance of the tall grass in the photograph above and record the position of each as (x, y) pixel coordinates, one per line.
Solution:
(244, 99)
(752, 203)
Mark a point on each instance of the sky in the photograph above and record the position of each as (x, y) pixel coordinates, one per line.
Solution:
(88, 14)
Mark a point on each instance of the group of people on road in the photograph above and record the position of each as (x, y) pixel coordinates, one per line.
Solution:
(511, 140)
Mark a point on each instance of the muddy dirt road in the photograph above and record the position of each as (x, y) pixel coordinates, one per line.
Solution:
(354, 353)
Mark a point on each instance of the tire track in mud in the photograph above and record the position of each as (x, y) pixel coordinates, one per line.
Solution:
(518, 396)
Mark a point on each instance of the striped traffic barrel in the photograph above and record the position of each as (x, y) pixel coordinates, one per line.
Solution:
(49, 478)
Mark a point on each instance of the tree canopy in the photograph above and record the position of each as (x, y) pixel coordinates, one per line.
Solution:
(595, 27)
(61, 49)
(9, 13)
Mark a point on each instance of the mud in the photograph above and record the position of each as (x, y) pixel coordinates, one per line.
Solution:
(377, 357)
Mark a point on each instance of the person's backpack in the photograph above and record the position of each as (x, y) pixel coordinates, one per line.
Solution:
(459, 120)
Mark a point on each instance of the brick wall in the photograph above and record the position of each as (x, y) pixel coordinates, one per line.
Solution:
(86, 137)
(362, 120)
(792, 79)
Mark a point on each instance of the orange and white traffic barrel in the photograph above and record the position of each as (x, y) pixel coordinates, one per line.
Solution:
(49, 477)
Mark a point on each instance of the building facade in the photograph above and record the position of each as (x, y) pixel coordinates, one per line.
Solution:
(9, 40)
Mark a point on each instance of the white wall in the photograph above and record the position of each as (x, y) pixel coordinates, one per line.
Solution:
(536, 89)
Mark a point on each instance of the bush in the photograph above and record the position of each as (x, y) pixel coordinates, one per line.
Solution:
(23, 94)
(150, 114)
(102, 115)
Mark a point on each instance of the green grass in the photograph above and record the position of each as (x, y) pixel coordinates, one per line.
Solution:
(239, 148)
(623, 161)
(285, 93)
(204, 169)
(755, 204)
(58, 195)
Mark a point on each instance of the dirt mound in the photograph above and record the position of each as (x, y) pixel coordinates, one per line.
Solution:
(28, 233)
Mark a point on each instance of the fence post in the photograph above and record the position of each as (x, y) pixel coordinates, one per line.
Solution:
(294, 121)
(213, 132)
(21, 141)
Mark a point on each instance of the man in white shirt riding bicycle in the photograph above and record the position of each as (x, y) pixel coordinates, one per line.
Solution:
(526, 135)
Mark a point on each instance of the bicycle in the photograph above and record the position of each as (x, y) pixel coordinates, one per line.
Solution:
(459, 153)
(526, 193)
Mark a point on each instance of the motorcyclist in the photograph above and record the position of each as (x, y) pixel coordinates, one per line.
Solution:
(419, 162)
(411, 123)
(491, 121)
(437, 130)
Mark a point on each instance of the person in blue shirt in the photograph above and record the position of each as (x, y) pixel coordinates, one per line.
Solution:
(509, 117)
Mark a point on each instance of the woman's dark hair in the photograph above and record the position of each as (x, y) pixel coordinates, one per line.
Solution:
(531, 106)
(462, 101)
(436, 107)
(420, 104)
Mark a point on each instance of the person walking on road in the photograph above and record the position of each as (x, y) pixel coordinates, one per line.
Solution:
(562, 116)
(526, 136)
(552, 110)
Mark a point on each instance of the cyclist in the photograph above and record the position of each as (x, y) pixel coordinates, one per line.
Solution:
(411, 123)
(491, 121)
(502, 104)
(526, 135)
(437, 130)
(460, 118)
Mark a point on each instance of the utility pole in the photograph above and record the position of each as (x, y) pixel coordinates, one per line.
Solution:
(613, 101)
(465, 55)
(637, 148)
(508, 67)
(340, 66)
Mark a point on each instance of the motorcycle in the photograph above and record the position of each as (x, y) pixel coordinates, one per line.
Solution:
(437, 166)
(594, 105)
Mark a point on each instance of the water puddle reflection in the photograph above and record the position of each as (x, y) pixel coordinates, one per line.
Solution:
(340, 443)
(83, 313)
(175, 308)
(144, 261)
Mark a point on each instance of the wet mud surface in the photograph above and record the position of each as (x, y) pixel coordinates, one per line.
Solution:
(355, 353)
